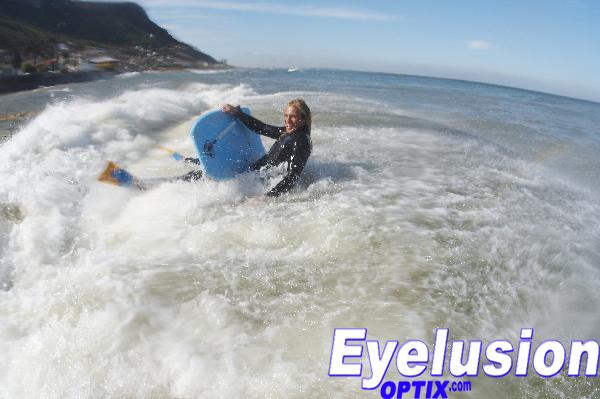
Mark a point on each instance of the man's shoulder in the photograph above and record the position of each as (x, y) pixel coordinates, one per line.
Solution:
(302, 134)
(301, 137)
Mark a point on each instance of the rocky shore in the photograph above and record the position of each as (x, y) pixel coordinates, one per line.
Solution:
(51, 42)
(10, 84)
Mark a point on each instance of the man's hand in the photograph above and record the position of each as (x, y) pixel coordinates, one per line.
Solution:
(230, 109)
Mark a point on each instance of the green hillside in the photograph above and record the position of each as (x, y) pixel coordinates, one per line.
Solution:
(122, 29)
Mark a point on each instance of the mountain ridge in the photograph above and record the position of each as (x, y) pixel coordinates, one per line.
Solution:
(120, 30)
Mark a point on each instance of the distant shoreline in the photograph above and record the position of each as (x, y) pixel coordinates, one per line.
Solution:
(16, 83)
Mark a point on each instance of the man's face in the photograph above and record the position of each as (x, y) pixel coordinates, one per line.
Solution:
(293, 119)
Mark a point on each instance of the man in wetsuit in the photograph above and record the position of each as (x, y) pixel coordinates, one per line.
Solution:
(292, 145)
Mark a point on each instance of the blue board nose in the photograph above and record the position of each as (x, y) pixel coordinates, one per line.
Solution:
(225, 146)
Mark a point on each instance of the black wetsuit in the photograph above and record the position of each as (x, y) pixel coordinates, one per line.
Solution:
(293, 148)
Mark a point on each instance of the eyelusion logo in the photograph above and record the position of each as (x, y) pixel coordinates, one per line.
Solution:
(413, 357)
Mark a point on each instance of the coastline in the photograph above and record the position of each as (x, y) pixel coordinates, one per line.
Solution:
(16, 83)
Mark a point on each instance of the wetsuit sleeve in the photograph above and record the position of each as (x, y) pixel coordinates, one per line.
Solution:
(259, 127)
(295, 168)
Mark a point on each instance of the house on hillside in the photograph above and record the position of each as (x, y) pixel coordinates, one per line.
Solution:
(49, 64)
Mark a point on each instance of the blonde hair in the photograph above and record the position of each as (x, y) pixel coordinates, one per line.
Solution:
(304, 110)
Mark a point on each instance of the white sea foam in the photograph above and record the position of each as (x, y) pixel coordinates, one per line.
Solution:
(128, 75)
(209, 71)
(208, 289)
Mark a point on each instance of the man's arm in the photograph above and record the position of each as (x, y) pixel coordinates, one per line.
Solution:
(293, 175)
(260, 127)
(254, 124)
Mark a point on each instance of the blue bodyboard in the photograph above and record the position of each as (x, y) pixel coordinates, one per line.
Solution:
(225, 146)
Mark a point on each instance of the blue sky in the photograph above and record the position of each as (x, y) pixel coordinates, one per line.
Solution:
(551, 46)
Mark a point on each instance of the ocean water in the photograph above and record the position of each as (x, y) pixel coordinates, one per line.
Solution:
(426, 204)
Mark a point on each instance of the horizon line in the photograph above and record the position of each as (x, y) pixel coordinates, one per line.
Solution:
(488, 83)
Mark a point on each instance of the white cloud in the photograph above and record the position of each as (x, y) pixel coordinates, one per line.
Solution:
(275, 8)
(479, 44)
